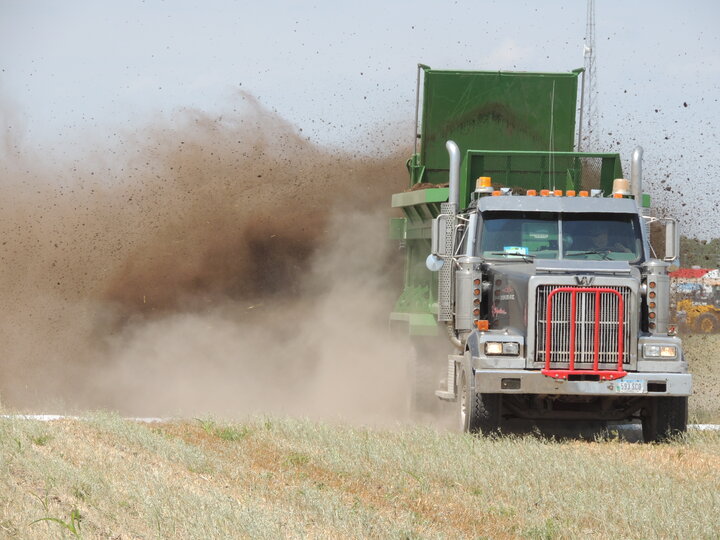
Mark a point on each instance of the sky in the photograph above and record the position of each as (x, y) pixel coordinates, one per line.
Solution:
(80, 72)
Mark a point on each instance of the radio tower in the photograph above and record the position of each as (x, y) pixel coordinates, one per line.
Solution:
(590, 140)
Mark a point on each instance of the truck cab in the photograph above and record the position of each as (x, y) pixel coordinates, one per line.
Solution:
(568, 318)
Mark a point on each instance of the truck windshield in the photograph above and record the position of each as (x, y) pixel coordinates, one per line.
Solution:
(546, 235)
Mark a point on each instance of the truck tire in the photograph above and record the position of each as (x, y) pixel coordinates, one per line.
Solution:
(707, 323)
(664, 417)
(477, 412)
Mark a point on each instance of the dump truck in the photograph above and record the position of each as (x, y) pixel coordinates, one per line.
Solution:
(531, 289)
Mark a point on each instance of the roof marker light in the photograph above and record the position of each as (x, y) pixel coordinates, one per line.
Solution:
(583, 193)
(558, 193)
(531, 193)
(621, 187)
(544, 192)
(483, 185)
(570, 193)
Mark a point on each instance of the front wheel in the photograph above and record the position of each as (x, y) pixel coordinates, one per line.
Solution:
(477, 412)
(707, 323)
(664, 417)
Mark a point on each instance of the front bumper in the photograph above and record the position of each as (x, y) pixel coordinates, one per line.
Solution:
(515, 381)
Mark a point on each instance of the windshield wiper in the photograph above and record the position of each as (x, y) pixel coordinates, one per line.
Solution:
(603, 252)
(526, 257)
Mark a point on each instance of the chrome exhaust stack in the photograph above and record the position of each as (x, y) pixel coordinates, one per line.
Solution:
(454, 176)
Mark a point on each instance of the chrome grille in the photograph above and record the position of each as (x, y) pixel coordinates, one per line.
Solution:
(584, 327)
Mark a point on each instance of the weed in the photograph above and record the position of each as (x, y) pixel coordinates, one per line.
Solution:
(41, 440)
(44, 499)
(72, 525)
(207, 425)
(232, 434)
(226, 433)
(297, 459)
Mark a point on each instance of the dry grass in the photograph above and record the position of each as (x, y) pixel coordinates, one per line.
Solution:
(703, 355)
(274, 478)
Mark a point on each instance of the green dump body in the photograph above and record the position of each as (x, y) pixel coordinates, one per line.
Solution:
(517, 128)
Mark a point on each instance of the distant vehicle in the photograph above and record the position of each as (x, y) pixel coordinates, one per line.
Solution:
(696, 299)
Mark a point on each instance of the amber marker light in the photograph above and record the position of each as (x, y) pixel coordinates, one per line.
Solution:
(583, 193)
(617, 195)
(545, 192)
(570, 193)
(558, 193)
(531, 193)
(483, 181)
(482, 325)
(497, 193)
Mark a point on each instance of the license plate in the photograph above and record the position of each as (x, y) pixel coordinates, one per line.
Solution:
(630, 386)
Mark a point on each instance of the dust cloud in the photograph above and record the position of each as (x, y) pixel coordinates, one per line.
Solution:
(216, 265)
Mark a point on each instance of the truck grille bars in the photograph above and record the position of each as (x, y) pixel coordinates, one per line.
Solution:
(583, 331)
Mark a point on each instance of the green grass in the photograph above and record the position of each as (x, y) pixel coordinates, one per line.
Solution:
(298, 479)
(224, 432)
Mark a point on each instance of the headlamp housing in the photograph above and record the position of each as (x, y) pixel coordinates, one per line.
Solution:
(668, 352)
(502, 348)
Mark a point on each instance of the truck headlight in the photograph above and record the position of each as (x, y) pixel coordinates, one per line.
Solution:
(508, 348)
(659, 351)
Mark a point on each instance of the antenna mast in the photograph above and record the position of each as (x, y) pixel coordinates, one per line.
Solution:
(590, 128)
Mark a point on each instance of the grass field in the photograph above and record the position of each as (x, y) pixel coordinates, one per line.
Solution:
(105, 477)
(703, 353)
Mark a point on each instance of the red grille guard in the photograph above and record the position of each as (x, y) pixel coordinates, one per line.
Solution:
(603, 374)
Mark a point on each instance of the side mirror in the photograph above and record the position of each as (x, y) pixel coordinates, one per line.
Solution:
(672, 240)
(441, 235)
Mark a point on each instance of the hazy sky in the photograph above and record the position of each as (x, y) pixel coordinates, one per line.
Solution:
(74, 71)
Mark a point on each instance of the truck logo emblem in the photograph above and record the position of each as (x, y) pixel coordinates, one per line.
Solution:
(584, 281)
